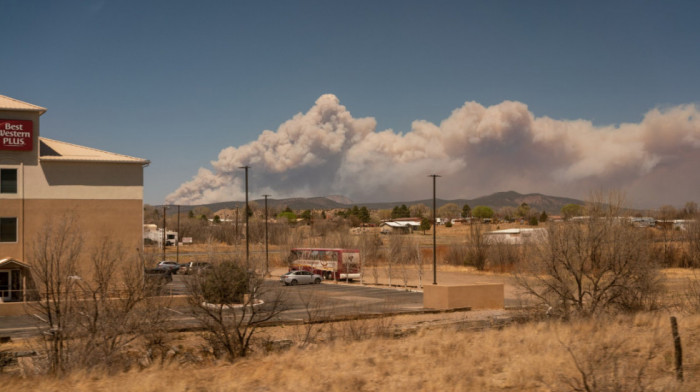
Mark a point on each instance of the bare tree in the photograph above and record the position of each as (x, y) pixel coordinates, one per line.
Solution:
(599, 264)
(691, 237)
(449, 210)
(369, 245)
(114, 308)
(93, 313)
(315, 308)
(54, 264)
(231, 303)
(502, 255)
(415, 257)
(419, 210)
(477, 246)
(394, 254)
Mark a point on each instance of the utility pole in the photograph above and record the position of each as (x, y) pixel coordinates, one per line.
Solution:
(247, 212)
(236, 226)
(177, 241)
(267, 258)
(164, 207)
(435, 176)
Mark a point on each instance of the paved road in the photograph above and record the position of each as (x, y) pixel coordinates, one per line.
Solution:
(325, 300)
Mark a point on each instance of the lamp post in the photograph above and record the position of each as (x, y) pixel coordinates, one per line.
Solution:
(164, 207)
(247, 211)
(435, 176)
(267, 259)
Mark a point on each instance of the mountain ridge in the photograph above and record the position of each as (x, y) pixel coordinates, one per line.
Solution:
(537, 201)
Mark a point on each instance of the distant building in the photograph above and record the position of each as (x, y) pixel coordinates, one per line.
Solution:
(44, 181)
(518, 236)
(644, 221)
(154, 235)
(399, 227)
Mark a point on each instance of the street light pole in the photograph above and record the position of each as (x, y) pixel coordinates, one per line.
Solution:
(247, 211)
(177, 241)
(267, 259)
(164, 207)
(435, 176)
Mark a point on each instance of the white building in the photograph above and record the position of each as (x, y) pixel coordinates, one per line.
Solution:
(518, 236)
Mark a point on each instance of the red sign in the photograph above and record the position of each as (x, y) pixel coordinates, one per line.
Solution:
(16, 135)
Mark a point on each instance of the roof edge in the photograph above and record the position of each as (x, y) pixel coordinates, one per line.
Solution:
(133, 160)
(31, 107)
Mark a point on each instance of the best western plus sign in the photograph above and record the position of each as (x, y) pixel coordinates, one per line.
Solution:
(16, 135)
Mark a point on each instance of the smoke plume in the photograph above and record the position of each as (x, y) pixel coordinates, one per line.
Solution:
(477, 150)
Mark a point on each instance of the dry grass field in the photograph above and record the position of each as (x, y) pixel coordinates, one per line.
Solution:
(622, 353)
(494, 350)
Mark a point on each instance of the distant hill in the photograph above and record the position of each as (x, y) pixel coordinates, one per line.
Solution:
(536, 201)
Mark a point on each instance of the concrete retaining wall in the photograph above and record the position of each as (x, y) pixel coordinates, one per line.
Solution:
(475, 296)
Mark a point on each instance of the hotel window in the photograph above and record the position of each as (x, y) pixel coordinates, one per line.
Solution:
(8, 229)
(8, 180)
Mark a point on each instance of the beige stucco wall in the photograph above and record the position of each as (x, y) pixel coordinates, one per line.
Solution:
(83, 180)
(119, 220)
(474, 296)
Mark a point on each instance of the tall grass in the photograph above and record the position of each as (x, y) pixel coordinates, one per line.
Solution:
(625, 353)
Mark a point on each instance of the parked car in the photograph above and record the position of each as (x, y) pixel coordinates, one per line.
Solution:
(194, 267)
(300, 277)
(171, 266)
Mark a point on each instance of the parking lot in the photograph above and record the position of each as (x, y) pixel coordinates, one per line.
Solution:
(328, 299)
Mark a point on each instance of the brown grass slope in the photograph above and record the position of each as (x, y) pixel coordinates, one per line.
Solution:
(624, 353)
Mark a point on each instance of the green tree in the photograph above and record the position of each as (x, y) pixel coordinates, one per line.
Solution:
(544, 216)
(364, 215)
(532, 221)
(217, 219)
(466, 211)
(482, 212)
(571, 210)
(400, 212)
(290, 216)
(395, 212)
(306, 216)
(228, 284)
(425, 224)
(523, 210)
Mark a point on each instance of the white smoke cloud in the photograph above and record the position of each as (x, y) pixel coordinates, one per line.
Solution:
(477, 150)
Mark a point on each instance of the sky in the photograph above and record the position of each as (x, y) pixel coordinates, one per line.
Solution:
(367, 98)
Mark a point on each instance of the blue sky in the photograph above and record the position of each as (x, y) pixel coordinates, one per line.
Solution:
(177, 81)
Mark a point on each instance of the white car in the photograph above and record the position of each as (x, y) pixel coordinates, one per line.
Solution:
(300, 277)
(169, 266)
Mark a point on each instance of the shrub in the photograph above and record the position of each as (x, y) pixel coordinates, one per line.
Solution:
(225, 283)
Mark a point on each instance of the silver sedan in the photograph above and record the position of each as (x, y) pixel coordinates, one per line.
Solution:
(300, 277)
